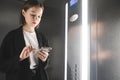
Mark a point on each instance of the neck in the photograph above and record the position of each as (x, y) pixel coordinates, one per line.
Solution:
(28, 29)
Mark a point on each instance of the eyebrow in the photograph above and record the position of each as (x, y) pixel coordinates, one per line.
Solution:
(33, 11)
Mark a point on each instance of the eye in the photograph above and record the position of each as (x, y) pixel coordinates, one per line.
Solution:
(32, 15)
(39, 16)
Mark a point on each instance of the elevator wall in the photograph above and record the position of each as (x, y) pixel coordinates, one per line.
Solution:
(104, 18)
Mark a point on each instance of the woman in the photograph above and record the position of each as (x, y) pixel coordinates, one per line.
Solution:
(20, 57)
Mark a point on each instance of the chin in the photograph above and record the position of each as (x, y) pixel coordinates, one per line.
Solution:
(34, 26)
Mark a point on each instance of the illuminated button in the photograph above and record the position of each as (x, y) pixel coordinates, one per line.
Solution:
(73, 17)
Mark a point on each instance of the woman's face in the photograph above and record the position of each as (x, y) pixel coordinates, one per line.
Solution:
(33, 16)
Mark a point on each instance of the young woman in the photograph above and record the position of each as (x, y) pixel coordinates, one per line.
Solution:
(20, 54)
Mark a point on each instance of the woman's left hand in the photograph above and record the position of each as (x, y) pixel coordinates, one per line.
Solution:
(43, 55)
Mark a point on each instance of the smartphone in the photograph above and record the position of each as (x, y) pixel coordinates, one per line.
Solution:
(48, 49)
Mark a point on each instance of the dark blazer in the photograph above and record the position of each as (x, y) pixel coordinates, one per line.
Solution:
(10, 49)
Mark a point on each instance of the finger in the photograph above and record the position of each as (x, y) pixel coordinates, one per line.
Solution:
(21, 55)
(45, 50)
(25, 51)
(24, 54)
(42, 56)
(39, 55)
(45, 54)
(34, 49)
(30, 48)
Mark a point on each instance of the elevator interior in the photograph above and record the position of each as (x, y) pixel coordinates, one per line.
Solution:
(104, 24)
(103, 15)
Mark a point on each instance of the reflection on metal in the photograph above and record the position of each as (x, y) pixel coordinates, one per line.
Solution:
(74, 31)
(66, 39)
(85, 43)
(105, 40)
(74, 17)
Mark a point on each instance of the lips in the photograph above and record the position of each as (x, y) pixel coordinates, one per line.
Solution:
(34, 22)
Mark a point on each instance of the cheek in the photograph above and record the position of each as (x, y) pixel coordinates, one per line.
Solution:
(27, 19)
(38, 21)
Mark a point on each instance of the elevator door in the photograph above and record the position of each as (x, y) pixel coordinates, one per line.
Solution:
(105, 37)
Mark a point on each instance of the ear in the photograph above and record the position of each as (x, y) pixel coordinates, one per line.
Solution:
(23, 12)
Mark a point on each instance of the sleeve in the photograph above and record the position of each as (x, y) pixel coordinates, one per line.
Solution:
(8, 61)
(45, 44)
(44, 41)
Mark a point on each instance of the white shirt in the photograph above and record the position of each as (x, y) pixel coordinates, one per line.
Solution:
(31, 40)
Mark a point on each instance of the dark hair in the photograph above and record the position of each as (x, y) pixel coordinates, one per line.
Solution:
(28, 4)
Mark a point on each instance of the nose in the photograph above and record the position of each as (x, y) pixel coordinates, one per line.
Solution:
(35, 18)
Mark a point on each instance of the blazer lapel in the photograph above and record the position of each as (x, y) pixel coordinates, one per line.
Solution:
(19, 40)
(20, 44)
(38, 38)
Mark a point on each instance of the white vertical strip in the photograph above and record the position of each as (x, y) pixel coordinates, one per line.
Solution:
(85, 43)
(66, 39)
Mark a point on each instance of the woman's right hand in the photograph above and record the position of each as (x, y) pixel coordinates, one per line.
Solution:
(25, 52)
